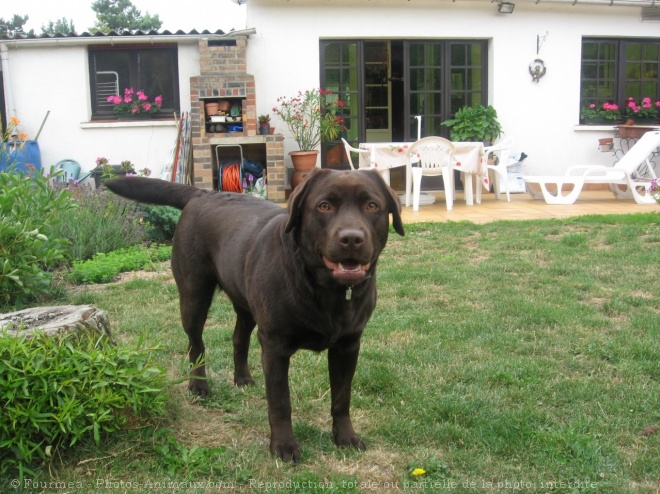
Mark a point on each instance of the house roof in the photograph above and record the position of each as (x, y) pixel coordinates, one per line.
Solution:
(127, 35)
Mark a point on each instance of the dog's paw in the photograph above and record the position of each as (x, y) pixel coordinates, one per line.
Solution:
(241, 381)
(199, 387)
(349, 440)
(286, 450)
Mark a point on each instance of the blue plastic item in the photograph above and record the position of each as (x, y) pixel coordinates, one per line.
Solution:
(11, 155)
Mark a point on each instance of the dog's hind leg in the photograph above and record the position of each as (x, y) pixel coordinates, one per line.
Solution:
(195, 302)
(242, 332)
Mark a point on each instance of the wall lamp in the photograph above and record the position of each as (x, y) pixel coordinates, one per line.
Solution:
(506, 7)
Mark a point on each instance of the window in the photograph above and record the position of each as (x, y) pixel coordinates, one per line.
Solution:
(153, 70)
(615, 69)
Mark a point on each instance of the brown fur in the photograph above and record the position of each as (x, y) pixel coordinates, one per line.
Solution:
(270, 263)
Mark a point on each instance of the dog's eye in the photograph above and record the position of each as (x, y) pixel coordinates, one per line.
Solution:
(325, 206)
(372, 206)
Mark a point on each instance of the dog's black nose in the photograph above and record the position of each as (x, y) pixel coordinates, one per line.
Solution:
(351, 238)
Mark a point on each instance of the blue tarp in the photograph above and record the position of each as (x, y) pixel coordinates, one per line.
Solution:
(20, 156)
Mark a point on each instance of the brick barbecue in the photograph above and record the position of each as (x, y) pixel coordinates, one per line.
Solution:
(223, 77)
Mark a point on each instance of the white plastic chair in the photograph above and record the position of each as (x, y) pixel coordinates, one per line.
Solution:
(350, 149)
(431, 156)
(501, 154)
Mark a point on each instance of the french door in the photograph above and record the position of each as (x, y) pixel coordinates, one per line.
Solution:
(387, 83)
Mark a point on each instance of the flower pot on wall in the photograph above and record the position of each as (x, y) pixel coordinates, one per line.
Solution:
(115, 171)
(303, 163)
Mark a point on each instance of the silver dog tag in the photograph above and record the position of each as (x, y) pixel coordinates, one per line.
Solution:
(349, 292)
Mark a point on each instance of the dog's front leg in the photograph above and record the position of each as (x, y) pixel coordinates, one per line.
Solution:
(342, 361)
(275, 363)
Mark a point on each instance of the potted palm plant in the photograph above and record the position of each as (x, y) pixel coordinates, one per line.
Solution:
(478, 123)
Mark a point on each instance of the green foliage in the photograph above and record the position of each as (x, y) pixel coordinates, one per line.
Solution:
(14, 26)
(102, 222)
(121, 16)
(103, 268)
(180, 459)
(29, 244)
(160, 221)
(59, 26)
(56, 392)
(475, 124)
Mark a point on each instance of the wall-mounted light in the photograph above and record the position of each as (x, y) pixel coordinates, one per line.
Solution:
(506, 7)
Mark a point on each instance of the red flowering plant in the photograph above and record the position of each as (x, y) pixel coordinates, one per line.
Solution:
(607, 111)
(312, 117)
(134, 102)
(647, 109)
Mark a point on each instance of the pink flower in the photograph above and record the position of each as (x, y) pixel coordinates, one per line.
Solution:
(141, 96)
(592, 105)
(146, 106)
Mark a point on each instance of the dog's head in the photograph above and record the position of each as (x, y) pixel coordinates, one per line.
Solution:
(341, 222)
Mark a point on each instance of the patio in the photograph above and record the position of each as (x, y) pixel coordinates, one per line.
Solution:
(523, 207)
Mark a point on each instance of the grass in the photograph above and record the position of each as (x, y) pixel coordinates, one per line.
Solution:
(507, 357)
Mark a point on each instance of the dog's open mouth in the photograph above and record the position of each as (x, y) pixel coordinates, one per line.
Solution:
(347, 271)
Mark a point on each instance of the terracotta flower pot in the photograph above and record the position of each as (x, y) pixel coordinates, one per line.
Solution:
(303, 163)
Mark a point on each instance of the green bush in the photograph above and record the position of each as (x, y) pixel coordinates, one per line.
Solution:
(160, 221)
(29, 243)
(56, 392)
(103, 268)
(102, 222)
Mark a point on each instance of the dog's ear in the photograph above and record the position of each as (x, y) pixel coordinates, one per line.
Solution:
(393, 202)
(297, 199)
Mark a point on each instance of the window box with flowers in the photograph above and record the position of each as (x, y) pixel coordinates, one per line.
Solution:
(135, 105)
(606, 114)
(643, 113)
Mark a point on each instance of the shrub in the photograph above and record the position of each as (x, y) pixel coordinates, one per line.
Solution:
(58, 391)
(103, 268)
(160, 221)
(29, 242)
(102, 222)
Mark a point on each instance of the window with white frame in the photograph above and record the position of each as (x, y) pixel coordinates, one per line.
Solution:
(152, 69)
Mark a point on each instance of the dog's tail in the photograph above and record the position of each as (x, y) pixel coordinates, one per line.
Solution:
(154, 191)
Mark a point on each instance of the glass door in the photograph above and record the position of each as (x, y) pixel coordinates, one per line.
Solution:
(442, 76)
(341, 74)
(378, 91)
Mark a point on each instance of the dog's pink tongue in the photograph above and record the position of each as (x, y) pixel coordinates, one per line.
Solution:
(346, 271)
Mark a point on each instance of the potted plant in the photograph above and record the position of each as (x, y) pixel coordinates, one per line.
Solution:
(312, 117)
(474, 124)
(264, 124)
(135, 104)
(608, 113)
(104, 170)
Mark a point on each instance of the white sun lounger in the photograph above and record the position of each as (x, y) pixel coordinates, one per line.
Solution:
(633, 171)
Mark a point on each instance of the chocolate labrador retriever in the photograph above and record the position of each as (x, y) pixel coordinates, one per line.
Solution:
(305, 276)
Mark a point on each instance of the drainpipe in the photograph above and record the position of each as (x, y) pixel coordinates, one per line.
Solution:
(6, 76)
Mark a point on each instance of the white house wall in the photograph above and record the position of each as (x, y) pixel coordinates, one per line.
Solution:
(56, 80)
(543, 116)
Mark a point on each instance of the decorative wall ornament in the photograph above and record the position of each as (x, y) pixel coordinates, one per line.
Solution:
(537, 69)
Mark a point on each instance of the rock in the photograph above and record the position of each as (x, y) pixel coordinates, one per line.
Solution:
(57, 320)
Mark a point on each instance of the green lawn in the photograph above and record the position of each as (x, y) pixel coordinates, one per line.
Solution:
(507, 357)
